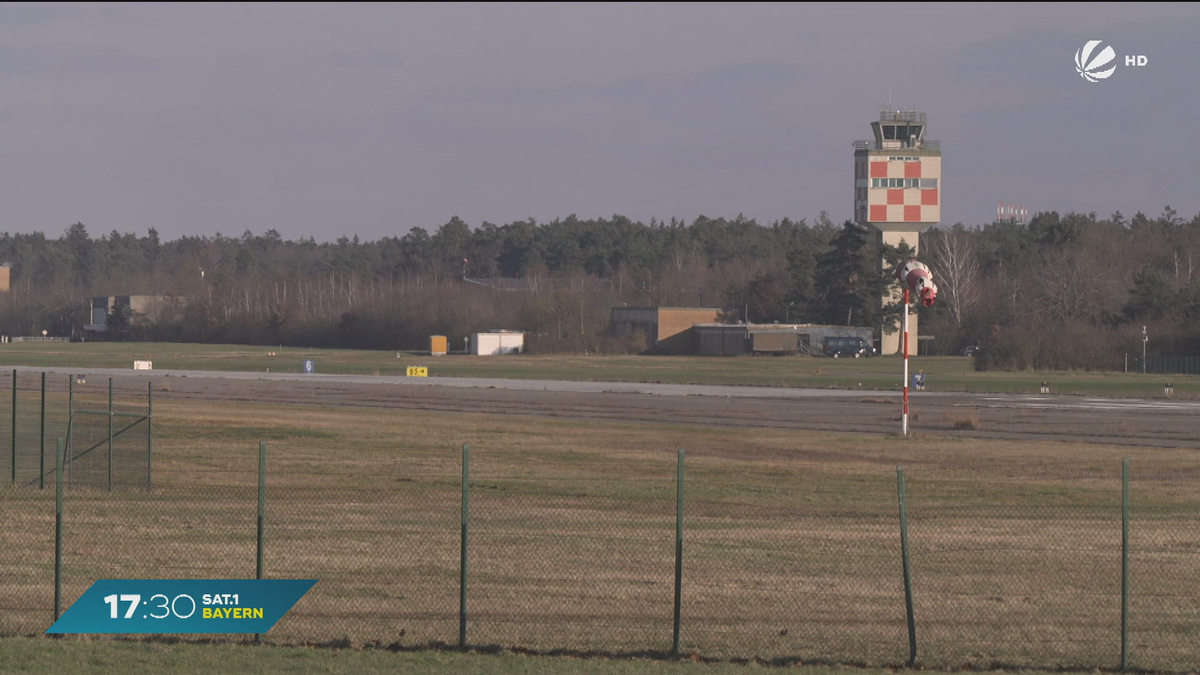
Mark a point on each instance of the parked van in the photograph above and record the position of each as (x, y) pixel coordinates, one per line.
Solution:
(847, 346)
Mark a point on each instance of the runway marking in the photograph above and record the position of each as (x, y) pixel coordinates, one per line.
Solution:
(1050, 402)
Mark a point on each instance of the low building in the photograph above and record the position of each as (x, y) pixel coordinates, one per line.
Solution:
(497, 342)
(714, 339)
(738, 339)
(137, 310)
(668, 330)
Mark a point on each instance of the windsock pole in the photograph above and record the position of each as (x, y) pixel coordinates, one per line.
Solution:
(904, 417)
(914, 275)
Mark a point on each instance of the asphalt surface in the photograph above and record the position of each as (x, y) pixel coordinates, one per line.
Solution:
(1126, 422)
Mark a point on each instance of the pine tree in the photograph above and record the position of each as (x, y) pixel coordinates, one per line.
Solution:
(846, 285)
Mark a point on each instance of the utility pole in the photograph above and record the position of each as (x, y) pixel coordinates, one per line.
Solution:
(1145, 339)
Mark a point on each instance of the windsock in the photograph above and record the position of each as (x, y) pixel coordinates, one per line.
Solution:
(917, 277)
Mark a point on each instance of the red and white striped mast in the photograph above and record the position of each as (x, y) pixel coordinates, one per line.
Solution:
(916, 277)
(904, 417)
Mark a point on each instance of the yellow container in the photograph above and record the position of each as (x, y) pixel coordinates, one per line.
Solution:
(437, 345)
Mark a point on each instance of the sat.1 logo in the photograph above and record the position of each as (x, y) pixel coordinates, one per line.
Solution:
(1090, 64)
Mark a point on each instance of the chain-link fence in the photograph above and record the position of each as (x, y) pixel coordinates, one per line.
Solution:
(108, 435)
(1023, 573)
(32, 414)
(1165, 365)
(563, 552)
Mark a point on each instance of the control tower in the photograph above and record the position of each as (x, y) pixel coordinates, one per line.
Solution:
(897, 189)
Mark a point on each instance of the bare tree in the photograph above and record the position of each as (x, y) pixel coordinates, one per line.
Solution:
(1076, 284)
(955, 269)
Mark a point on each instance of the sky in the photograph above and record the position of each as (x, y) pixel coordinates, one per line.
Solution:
(322, 120)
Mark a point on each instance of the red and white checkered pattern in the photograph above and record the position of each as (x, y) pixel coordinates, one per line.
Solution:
(897, 205)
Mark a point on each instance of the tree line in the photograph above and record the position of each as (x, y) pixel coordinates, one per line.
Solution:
(1069, 291)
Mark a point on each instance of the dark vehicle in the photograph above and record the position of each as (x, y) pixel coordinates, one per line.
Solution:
(969, 350)
(856, 347)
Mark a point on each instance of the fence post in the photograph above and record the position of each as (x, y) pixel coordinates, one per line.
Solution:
(904, 554)
(70, 421)
(262, 507)
(58, 522)
(462, 560)
(262, 515)
(1125, 563)
(150, 437)
(14, 427)
(678, 552)
(110, 434)
(42, 439)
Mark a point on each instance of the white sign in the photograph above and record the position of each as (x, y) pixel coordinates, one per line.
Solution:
(142, 365)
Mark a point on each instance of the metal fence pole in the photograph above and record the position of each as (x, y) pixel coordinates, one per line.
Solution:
(14, 427)
(1125, 563)
(70, 421)
(58, 522)
(150, 437)
(110, 434)
(462, 561)
(42, 439)
(262, 515)
(262, 507)
(678, 553)
(904, 554)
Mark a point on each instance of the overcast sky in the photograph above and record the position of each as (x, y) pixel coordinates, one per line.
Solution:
(329, 119)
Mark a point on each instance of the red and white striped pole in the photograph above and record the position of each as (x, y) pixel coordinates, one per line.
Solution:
(904, 418)
(916, 277)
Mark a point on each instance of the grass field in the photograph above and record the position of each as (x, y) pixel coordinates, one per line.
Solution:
(791, 538)
(120, 657)
(944, 373)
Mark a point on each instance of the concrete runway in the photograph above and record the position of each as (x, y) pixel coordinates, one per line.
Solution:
(1146, 422)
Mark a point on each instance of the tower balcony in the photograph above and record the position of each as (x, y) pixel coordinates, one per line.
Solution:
(931, 146)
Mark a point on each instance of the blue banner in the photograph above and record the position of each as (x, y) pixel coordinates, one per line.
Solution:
(182, 606)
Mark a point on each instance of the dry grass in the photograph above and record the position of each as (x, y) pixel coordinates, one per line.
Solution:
(791, 539)
(963, 420)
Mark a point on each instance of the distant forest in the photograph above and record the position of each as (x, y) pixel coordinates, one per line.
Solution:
(1069, 291)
